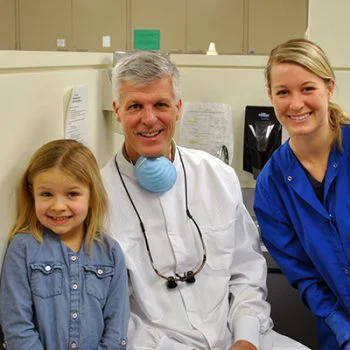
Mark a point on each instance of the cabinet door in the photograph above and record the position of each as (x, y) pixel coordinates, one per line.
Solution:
(168, 16)
(273, 21)
(216, 21)
(45, 25)
(7, 25)
(99, 26)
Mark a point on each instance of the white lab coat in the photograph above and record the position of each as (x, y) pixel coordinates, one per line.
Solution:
(227, 301)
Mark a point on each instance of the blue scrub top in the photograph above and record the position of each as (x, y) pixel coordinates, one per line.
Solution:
(310, 240)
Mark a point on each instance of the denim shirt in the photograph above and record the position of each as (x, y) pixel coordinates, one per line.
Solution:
(52, 298)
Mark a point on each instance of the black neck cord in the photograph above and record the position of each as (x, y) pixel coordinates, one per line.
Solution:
(188, 276)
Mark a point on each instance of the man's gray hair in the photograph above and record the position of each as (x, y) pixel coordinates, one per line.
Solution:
(142, 68)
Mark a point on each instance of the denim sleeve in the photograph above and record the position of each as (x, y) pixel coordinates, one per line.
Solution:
(16, 306)
(339, 323)
(116, 310)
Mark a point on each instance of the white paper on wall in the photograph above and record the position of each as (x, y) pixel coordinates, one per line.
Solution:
(207, 126)
(76, 123)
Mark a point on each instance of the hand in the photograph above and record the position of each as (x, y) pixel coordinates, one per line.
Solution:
(245, 345)
(346, 346)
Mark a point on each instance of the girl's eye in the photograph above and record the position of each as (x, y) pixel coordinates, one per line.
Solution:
(73, 194)
(45, 194)
(282, 92)
(309, 88)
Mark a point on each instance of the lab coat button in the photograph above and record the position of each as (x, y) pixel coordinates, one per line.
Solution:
(290, 178)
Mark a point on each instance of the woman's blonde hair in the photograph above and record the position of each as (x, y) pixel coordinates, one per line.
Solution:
(78, 162)
(310, 56)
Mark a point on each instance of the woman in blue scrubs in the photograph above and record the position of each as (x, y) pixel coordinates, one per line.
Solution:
(302, 198)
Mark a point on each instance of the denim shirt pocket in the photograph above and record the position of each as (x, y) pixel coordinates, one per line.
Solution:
(98, 279)
(46, 279)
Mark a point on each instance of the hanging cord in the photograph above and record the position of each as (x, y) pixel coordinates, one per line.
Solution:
(188, 276)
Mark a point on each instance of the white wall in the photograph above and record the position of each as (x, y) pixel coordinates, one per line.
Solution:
(32, 88)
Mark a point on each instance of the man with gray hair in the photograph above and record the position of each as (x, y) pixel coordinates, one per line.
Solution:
(197, 277)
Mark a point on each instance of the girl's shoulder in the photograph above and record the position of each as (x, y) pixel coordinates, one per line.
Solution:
(106, 242)
(23, 238)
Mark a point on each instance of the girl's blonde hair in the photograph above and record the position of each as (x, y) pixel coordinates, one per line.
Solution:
(78, 162)
(310, 56)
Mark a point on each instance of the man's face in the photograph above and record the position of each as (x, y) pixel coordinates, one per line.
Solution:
(148, 115)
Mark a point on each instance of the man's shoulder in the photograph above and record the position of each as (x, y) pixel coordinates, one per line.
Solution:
(108, 166)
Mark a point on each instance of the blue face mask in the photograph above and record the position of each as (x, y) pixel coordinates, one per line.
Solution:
(155, 174)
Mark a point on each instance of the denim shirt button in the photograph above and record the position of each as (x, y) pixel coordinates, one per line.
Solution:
(73, 345)
(100, 271)
(75, 286)
(290, 178)
(73, 258)
(335, 165)
(346, 271)
(74, 315)
(123, 342)
(47, 268)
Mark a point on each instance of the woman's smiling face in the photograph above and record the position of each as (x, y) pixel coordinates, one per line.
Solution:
(300, 99)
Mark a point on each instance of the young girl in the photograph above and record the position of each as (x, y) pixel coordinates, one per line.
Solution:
(302, 194)
(64, 282)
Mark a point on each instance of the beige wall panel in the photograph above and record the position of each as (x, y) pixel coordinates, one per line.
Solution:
(274, 21)
(7, 25)
(215, 21)
(167, 15)
(43, 22)
(329, 26)
(95, 19)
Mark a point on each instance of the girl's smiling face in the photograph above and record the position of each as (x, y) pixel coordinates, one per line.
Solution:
(61, 204)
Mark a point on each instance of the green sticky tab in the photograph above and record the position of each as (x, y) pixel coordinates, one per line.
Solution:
(146, 39)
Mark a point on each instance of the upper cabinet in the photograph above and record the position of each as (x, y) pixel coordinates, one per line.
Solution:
(183, 26)
(8, 25)
(221, 22)
(271, 22)
(99, 25)
(45, 25)
(168, 16)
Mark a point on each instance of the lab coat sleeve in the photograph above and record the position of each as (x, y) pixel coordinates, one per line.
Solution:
(16, 308)
(116, 309)
(145, 337)
(249, 314)
(284, 246)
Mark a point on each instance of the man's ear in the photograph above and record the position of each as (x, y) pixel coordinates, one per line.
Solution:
(116, 112)
(179, 109)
